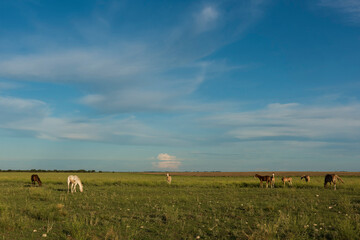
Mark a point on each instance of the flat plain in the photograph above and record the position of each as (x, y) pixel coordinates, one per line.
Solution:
(195, 206)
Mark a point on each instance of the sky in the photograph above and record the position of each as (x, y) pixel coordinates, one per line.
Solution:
(250, 85)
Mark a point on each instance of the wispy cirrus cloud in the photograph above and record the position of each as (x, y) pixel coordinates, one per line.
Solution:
(124, 73)
(351, 8)
(28, 117)
(293, 122)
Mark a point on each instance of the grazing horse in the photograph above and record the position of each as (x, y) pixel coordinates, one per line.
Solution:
(273, 180)
(35, 178)
(331, 179)
(168, 178)
(287, 180)
(74, 180)
(306, 177)
(266, 179)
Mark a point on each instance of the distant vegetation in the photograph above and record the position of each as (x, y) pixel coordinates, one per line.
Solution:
(42, 170)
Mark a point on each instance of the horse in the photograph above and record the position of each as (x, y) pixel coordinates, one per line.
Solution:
(306, 177)
(286, 180)
(266, 179)
(168, 178)
(273, 180)
(35, 178)
(74, 180)
(331, 179)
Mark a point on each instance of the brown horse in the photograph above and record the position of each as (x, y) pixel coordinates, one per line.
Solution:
(331, 179)
(35, 178)
(287, 180)
(267, 179)
(306, 177)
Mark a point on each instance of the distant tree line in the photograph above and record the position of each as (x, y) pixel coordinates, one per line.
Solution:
(55, 170)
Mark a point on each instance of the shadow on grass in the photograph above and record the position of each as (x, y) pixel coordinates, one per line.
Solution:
(30, 186)
(60, 189)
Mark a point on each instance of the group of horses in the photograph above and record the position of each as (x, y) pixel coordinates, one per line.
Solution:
(74, 180)
(329, 179)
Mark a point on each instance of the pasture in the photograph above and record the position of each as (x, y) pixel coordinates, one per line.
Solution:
(145, 206)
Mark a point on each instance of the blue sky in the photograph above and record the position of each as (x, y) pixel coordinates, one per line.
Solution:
(180, 85)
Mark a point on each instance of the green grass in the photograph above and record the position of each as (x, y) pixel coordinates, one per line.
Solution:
(140, 206)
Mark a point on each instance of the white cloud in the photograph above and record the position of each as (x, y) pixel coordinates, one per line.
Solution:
(167, 161)
(293, 122)
(206, 19)
(122, 73)
(15, 109)
(32, 117)
(165, 157)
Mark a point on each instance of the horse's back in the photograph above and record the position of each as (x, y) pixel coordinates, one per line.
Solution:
(329, 177)
(34, 177)
(73, 178)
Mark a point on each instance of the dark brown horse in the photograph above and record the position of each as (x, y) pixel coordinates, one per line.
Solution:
(35, 178)
(331, 179)
(267, 179)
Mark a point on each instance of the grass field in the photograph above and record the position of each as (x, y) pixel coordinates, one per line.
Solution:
(144, 206)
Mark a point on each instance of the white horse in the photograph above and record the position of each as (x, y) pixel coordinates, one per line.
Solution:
(74, 180)
(168, 178)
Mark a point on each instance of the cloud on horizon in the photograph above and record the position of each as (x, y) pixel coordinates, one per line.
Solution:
(167, 161)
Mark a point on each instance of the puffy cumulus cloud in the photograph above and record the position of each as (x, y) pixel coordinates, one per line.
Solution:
(166, 157)
(167, 161)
